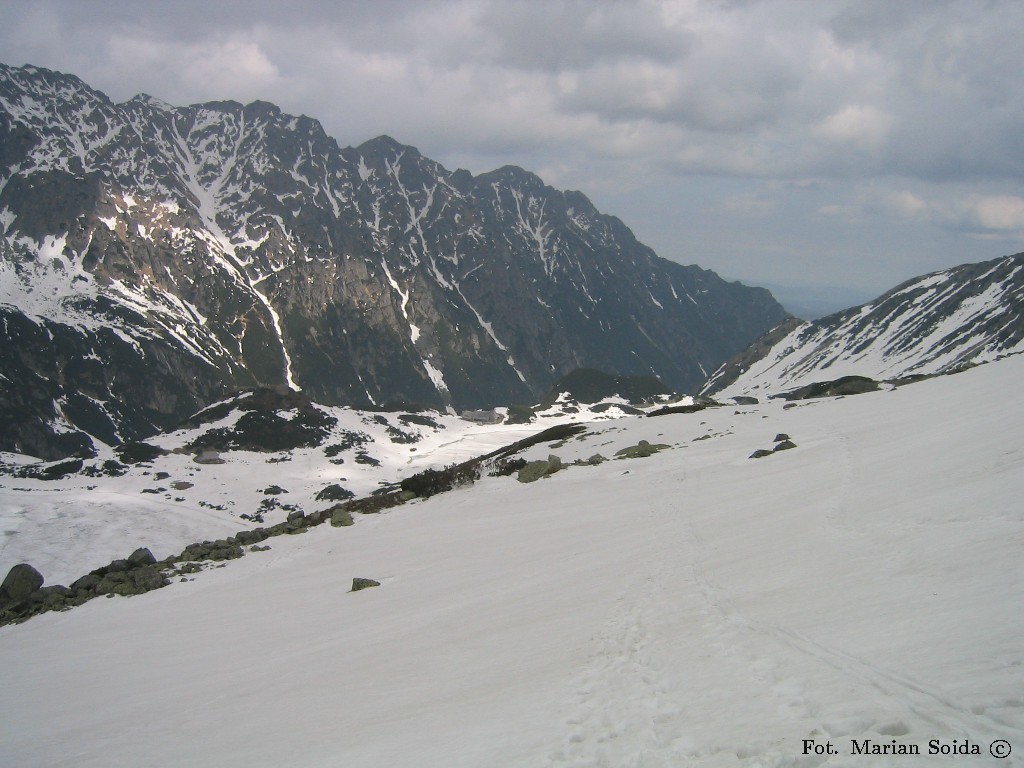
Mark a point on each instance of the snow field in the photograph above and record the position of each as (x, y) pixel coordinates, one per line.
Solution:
(696, 607)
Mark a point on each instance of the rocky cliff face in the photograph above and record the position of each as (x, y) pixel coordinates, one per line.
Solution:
(154, 257)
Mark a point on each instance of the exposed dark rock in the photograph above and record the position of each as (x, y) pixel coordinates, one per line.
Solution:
(56, 471)
(559, 432)
(670, 409)
(21, 581)
(147, 578)
(253, 536)
(212, 550)
(433, 481)
(86, 583)
(141, 556)
(334, 492)
(535, 470)
(785, 445)
(847, 385)
(340, 517)
(760, 453)
(53, 598)
(641, 450)
(360, 583)
(137, 453)
(275, 419)
(423, 421)
(519, 414)
(780, 437)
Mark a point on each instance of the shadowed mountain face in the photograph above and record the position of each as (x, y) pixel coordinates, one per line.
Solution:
(156, 257)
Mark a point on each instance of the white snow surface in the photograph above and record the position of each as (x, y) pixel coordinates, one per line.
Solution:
(696, 607)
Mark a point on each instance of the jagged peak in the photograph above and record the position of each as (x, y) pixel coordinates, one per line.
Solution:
(152, 101)
(262, 107)
(384, 144)
(51, 77)
(512, 173)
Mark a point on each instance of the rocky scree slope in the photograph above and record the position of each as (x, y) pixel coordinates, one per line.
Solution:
(154, 258)
(934, 324)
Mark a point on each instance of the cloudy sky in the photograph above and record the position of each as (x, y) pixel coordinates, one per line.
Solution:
(783, 142)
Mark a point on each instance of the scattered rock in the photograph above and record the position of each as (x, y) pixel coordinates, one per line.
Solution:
(784, 445)
(535, 470)
(780, 437)
(760, 453)
(358, 584)
(340, 517)
(641, 450)
(334, 492)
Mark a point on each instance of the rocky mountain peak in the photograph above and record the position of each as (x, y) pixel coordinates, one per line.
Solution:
(196, 250)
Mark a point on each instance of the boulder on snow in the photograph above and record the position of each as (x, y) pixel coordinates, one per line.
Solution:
(141, 556)
(641, 450)
(535, 470)
(360, 583)
(21, 581)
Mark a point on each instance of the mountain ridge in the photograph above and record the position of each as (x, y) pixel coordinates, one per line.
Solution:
(227, 245)
(937, 323)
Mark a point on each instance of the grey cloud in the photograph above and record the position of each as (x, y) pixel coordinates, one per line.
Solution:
(636, 103)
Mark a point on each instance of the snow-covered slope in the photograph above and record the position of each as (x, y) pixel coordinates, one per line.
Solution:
(285, 455)
(933, 324)
(694, 607)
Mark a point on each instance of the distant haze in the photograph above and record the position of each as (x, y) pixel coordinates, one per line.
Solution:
(801, 145)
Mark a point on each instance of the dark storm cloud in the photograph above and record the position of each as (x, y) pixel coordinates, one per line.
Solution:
(800, 121)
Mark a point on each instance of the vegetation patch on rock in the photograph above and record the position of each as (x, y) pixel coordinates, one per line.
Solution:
(641, 450)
